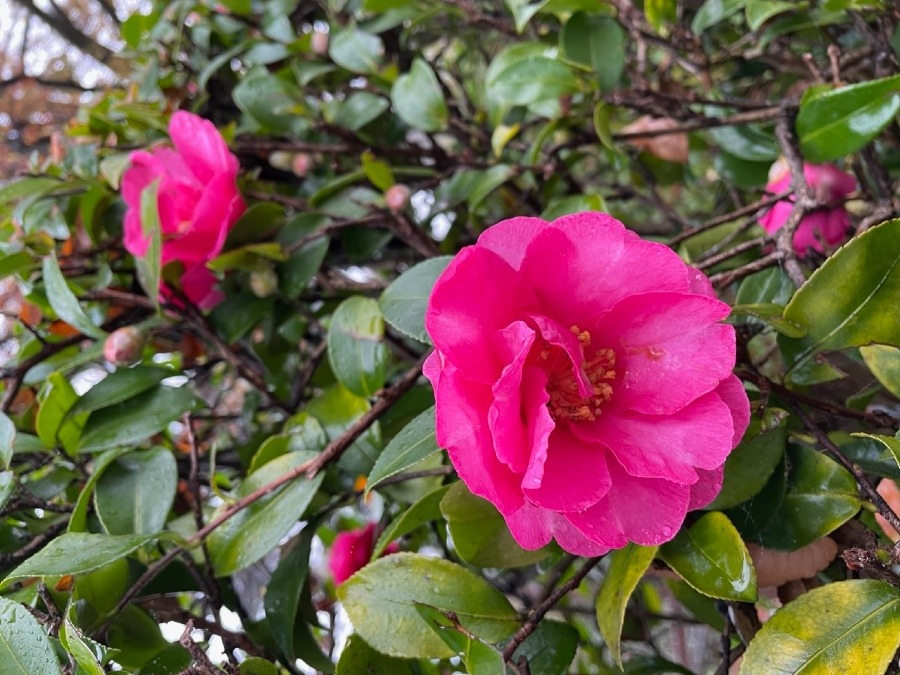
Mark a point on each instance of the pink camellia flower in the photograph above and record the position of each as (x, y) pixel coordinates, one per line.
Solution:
(351, 551)
(583, 381)
(198, 199)
(828, 225)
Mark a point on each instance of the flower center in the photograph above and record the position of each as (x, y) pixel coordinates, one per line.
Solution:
(566, 401)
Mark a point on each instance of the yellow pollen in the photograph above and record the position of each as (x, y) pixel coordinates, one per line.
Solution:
(566, 401)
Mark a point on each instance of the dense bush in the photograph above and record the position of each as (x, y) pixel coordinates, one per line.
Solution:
(216, 323)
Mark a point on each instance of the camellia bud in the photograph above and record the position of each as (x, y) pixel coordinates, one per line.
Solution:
(301, 164)
(319, 43)
(397, 197)
(124, 346)
(263, 282)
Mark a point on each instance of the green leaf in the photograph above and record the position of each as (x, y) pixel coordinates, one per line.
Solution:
(356, 50)
(404, 302)
(120, 386)
(63, 300)
(139, 640)
(746, 142)
(872, 455)
(149, 265)
(355, 111)
(523, 11)
(8, 485)
(77, 553)
(250, 534)
(479, 657)
(890, 442)
(258, 666)
(7, 439)
(270, 102)
(772, 315)
(25, 648)
(850, 301)
(136, 419)
(358, 658)
(659, 13)
(531, 80)
(597, 42)
(303, 264)
(336, 409)
(56, 398)
(377, 171)
(356, 350)
(749, 467)
(834, 123)
(78, 519)
(769, 286)
(480, 534)
(760, 11)
(884, 362)
(78, 646)
(283, 593)
(714, 11)
(25, 187)
(418, 99)
(573, 204)
(379, 600)
(712, 558)
(426, 509)
(415, 442)
(136, 491)
(844, 627)
(248, 257)
(626, 567)
(550, 649)
(237, 314)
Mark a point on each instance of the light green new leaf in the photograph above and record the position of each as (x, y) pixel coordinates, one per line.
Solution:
(884, 362)
(712, 558)
(77, 553)
(850, 301)
(404, 302)
(380, 602)
(415, 442)
(836, 122)
(356, 350)
(25, 648)
(845, 627)
(626, 567)
(63, 300)
(418, 99)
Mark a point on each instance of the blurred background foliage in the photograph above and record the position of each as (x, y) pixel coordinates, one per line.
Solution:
(151, 520)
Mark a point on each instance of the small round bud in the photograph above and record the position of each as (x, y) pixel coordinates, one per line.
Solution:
(123, 346)
(281, 160)
(301, 164)
(263, 282)
(319, 43)
(397, 197)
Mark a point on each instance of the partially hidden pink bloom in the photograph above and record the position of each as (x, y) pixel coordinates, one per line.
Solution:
(351, 551)
(583, 381)
(198, 199)
(825, 226)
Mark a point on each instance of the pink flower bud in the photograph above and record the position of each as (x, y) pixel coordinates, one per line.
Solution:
(124, 346)
(351, 551)
(397, 197)
(319, 43)
(301, 164)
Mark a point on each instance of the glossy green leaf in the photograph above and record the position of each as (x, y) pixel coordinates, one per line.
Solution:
(283, 594)
(849, 301)
(79, 518)
(7, 439)
(573, 204)
(120, 386)
(480, 534)
(81, 648)
(712, 558)
(404, 302)
(356, 50)
(626, 567)
(418, 99)
(358, 658)
(892, 443)
(139, 640)
(149, 265)
(746, 142)
(714, 11)
(844, 627)
(251, 533)
(769, 286)
(303, 264)
(415, 442)
(356, 349)
(597, 42)
(379, 600)
(550, 649)
(479, 657)
(56, 398)
(701, 606)
(871, 454)
(772, 315)
(533, 79)
(248, 257)
(884, 362)
(77, 553)
(749, 467)
(425, 510)
(135, 492)
(834, 123)
(337, 408)
(63, 300)
(136, 419)
(25, 648)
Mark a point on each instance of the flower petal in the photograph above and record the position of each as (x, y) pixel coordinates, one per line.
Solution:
(573, 477)
(202, 146)
(510, 238)
(731, 391)
(706, 488)
(533, 527)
